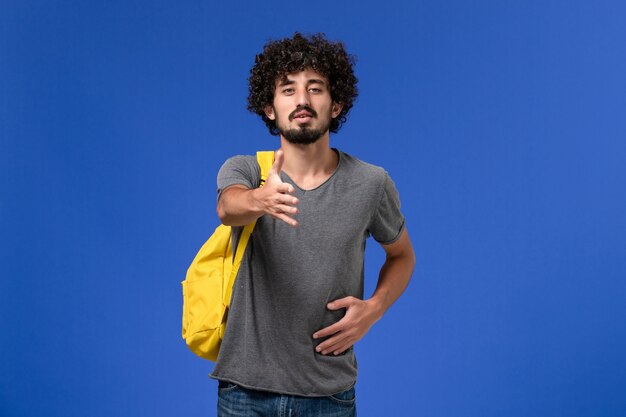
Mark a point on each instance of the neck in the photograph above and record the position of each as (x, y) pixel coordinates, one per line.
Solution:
(307, 161)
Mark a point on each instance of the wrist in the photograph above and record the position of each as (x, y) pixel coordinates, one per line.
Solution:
(377, 307)
(254, 201)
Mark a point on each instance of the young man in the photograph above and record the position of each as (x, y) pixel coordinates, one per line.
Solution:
(297, 306)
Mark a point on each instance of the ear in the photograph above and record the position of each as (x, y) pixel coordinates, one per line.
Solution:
(269, 112)
(336, 109)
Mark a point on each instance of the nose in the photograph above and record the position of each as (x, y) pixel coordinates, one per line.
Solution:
(302, 97)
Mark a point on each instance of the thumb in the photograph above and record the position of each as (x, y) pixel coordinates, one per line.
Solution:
(279, 158)
(340, 303)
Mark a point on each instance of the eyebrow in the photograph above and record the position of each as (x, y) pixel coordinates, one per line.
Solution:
(287, 81)
(316, 81)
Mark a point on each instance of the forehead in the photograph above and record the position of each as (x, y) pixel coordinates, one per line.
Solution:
(305, 76)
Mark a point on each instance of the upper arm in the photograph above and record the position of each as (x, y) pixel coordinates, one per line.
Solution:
(387, 222)
(400, 247)
(240, 170)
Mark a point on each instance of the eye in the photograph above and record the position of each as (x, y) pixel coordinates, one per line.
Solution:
(288, 91)
(315, 90)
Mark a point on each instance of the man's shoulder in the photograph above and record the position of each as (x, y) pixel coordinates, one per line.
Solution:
(239, 169)
(241, 159)
(360, 168)
(246, 163)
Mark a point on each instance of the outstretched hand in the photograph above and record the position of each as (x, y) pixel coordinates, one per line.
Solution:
(275, 197)
(360, 316)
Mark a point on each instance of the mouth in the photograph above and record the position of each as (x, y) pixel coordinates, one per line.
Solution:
(303, 115)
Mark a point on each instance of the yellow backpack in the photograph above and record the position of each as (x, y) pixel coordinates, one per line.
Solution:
(207, 288)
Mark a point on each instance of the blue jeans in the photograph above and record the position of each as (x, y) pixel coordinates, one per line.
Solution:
(236, 401)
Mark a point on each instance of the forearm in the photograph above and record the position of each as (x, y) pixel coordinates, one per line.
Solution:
(392, 281)
(237, 206)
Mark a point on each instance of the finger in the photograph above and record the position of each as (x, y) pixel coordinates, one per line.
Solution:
(338, 347)
(330, 330)
(284, 187)
(279, 158)
(343, 348)
(333, 344)
(341, 303)
(285, 209)
(285, 199)
(286, 219)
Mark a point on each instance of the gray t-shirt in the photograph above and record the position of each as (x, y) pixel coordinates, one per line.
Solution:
(289, 275)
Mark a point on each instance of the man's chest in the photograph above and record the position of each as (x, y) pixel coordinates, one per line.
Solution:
(331, 224)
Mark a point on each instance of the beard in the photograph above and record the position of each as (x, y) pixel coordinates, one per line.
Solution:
(303, 135)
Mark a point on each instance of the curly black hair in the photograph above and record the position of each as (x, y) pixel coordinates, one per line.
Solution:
(285, 56)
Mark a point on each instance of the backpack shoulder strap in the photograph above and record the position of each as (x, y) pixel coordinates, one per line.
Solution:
(265, 160)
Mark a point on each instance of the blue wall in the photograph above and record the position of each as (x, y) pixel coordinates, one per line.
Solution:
(502, 123)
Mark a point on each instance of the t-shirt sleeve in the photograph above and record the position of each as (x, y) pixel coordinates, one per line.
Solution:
(388, 222)
(239, 169)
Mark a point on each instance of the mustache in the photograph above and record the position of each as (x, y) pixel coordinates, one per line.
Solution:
(298, 109)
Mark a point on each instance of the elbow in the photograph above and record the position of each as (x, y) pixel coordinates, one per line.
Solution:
(226, 218)
(222, 215)
(410, 256)
(409, 259)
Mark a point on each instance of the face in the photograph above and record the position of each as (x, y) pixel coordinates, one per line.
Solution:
(303, 107)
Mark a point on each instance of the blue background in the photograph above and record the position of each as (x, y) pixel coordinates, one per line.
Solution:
(502, 124)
